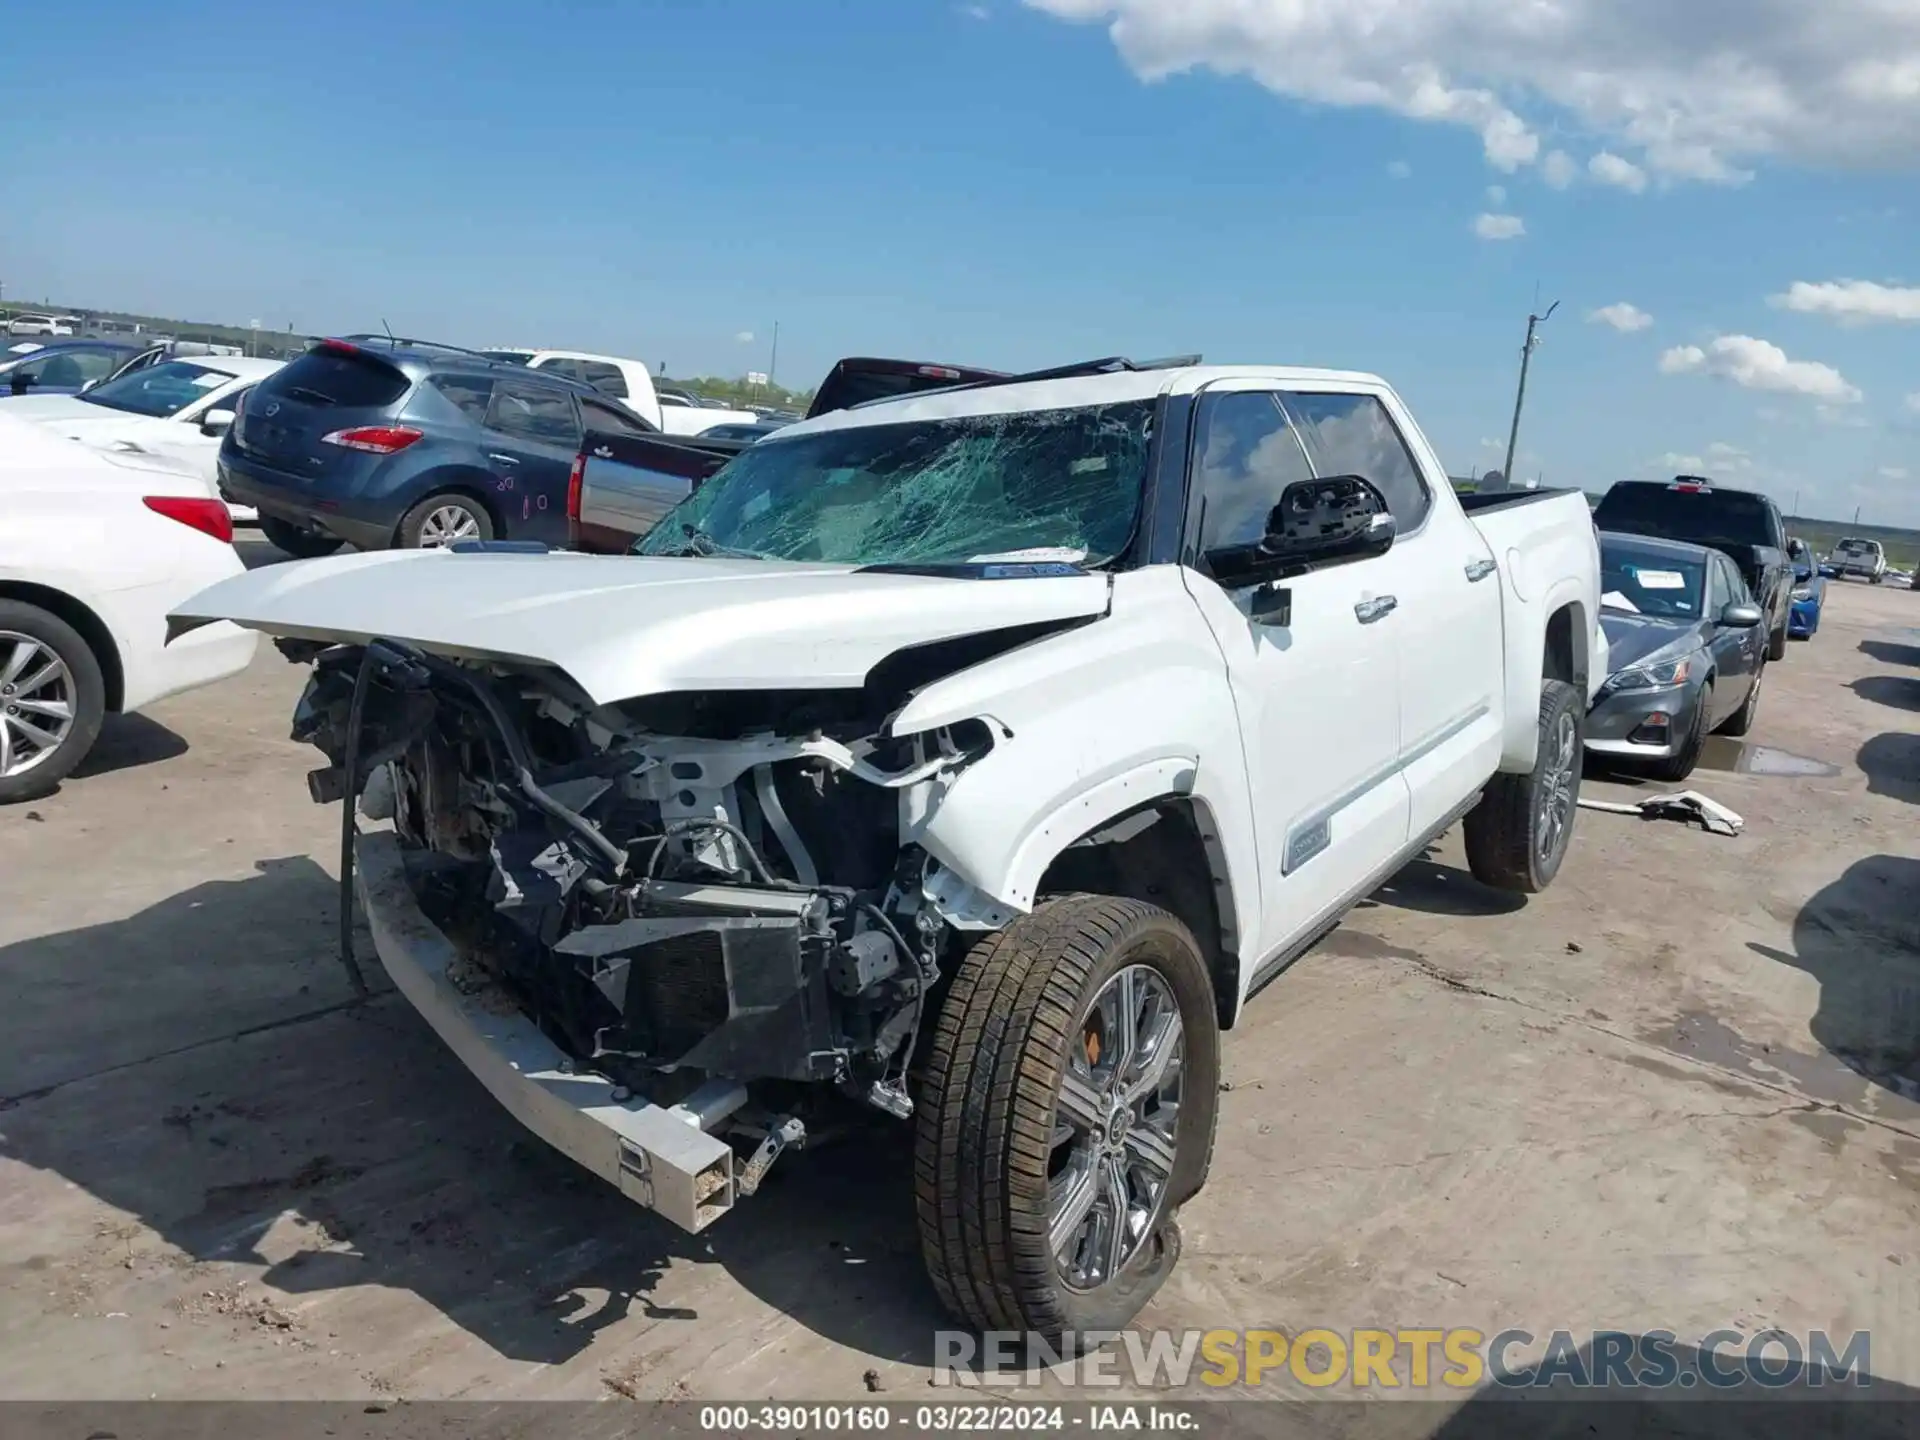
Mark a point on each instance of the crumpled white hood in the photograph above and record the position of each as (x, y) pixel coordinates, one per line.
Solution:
(627, 626)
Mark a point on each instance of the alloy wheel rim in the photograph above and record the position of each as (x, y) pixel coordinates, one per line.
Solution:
(447, 524)
(1557, 787)
(37, 703)
(1116, 1127)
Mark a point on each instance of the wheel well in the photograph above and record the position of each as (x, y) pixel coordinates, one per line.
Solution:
(1160, 853)
(1566, 649)
(99, 639)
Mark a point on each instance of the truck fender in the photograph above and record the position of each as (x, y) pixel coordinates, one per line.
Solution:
(1555, 641)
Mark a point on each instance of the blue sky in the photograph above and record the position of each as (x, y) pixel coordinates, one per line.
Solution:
(1016, 184)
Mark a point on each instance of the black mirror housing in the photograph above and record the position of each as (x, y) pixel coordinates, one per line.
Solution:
(1327, 521)
(1742, 617)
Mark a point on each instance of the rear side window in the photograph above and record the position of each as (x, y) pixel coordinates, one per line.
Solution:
(603, 377)
(535, 412)
(469, 392)
(560, 365)
(1354, 435)
(352, 380)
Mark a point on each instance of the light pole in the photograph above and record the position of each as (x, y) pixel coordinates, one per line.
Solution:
(1520, 399)
(773, 364)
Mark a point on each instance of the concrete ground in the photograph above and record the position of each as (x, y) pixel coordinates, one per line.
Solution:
(1672, 1093)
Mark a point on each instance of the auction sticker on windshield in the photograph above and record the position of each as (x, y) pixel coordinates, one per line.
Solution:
(1660, 579)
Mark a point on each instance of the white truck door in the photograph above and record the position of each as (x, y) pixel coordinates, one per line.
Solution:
(1318, 695)
(1447, 616)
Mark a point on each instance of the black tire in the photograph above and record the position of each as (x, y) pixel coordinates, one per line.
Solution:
(984, 1141)
(1680, 764)
(83, 690)
(414, 524)
(1741, 721)
(1507, 833)
(1777, 644)
(296, 540)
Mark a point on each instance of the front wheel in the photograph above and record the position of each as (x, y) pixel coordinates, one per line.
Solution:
(1741, 721)
(296, 540)
(1518, 834)
(1068, 1109)
(53, 700)
(1777, 644)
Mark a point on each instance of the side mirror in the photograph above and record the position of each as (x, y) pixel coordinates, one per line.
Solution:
(216, 422)
(20, 382)
(1742, 617)
(1317, 522)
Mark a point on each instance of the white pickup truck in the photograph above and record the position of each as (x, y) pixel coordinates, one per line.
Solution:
(631, 383)
(973, 756)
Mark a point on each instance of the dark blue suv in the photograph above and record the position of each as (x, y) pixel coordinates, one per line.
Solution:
(385, 444)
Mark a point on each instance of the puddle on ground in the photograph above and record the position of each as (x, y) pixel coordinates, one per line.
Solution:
(1737, 757)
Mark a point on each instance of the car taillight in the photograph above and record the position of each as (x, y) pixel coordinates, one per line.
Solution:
(375, 439)
(209, 517)
(574, 477)
(938, 372)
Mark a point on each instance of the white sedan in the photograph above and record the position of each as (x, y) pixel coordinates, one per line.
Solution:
(96, 547)
(178, 408)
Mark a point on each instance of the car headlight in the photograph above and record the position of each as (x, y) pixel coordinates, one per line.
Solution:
(1803, 592)
(1647, 677)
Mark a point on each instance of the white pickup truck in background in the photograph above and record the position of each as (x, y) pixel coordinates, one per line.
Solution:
(629, 382)
(973, 756)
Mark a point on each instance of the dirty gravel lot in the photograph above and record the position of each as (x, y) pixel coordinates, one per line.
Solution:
(1677, 1092)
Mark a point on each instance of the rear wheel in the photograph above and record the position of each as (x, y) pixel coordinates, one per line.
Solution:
(1068, 1110)
(1777, 644)
(445, 519)
(1518, 834)
(52, 701)
(1741, 721)
(297, 540)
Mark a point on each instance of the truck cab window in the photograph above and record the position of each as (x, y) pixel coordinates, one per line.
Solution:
(1247, 454)
(1354, 435)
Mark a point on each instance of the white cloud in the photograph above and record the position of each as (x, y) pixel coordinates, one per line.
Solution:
(1558, 169)
(1499, 227)
(1621, 316)
(744, 337)
(1695, 92)
(1682, 464)
(1759, 365)
(1893, 472)
(1611, 169)
(976, 12)
(1839, 415)
(1851, 302)
(1399, 169)
(1496, 194)
(1913, 402)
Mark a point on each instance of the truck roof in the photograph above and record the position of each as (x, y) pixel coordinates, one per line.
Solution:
(1014, 395)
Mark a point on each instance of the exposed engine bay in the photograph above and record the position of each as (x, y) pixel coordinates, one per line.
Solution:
(680, 891)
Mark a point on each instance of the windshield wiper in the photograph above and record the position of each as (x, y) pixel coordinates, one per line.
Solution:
(700, 543)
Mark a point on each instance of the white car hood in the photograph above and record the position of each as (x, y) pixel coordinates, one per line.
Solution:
(627, 626)
(74, 417)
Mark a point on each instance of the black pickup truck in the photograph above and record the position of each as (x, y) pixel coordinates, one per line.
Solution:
(1741, 524)
(623, 483)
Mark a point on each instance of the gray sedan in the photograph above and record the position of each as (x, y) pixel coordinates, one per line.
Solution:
(1687, 651)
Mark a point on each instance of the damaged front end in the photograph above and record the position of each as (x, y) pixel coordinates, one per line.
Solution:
(702, 900)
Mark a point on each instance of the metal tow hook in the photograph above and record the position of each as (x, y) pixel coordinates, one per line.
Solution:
(784, 1132)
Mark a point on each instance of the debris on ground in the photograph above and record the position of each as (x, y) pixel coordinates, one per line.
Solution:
(872, 1381)
(1687, 805)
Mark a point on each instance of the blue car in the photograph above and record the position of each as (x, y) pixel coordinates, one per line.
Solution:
(60, 367)
(406, 444)
(1809, 591)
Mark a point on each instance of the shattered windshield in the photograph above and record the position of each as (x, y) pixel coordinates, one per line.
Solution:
(1049, 484)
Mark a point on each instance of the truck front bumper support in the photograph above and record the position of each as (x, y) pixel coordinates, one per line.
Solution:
(659, 1158)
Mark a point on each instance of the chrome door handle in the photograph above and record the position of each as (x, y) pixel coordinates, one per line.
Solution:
(503, 459)
(1480, 569)
(1371, 610)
